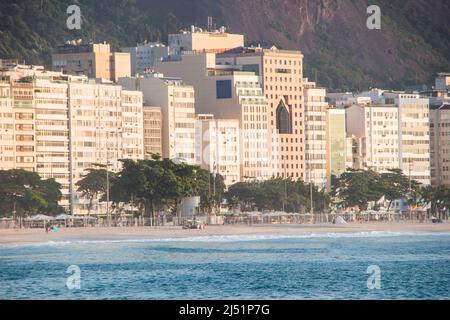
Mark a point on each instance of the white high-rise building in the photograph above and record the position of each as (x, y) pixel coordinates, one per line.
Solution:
(60, 125)
(394, 134)
(218, 147)
(177, 102)
(378, 128)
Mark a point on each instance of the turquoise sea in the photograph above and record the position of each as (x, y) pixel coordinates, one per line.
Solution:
(316, 266)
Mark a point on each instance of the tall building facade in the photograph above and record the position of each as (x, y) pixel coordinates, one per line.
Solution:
(315, 134)
(228, 92)
(152, 131)
(60, 125)
(281, 74)
(177, 102)
(440, 144)
(144, 56)
(394, 134)
(218, 147)
(414, 135)
(95, 60)
(378, 128)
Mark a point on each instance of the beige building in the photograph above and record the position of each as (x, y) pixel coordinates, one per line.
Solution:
(152, 131)
(17, 127)
(218, 147)
(440, 144)
(60, 125)
(315, 134)
(197, 41)
(95, 60)
(229, 93)
(281, 74)
(177, 101)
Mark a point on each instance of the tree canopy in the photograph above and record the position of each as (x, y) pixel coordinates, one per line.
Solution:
(24, 193)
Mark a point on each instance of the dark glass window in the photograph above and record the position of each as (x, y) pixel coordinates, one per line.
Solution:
(283, 119)
(223, 89)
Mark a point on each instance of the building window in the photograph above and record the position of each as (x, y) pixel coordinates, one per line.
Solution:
(283, 119)
(223, 89)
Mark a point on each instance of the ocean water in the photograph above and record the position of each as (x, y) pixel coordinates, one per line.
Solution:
(316, 266)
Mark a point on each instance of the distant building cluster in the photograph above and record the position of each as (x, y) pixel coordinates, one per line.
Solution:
(206, 99)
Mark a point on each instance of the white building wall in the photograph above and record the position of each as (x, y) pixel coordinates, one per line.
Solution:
(315, 134)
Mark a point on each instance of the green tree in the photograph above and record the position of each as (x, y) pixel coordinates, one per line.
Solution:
(276, 194)
(93, 185)
(153, 184)
(24, 193)
(359, 187)
(395, 185)
(210, 189)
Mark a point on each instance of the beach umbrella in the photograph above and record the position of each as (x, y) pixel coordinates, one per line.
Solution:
(64, 216)
(41, 217)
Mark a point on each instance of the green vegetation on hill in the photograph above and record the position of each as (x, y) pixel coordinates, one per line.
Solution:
(340, 52)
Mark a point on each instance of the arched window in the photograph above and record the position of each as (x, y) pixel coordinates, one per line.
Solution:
(283, 119)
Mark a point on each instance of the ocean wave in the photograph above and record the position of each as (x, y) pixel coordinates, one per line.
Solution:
(231, 238)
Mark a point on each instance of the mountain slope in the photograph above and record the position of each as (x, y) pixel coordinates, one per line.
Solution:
(340, 52)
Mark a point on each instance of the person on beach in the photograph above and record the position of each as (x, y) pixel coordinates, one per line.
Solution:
(47, 226)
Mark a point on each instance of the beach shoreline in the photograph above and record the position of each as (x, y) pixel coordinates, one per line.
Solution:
(30, 236)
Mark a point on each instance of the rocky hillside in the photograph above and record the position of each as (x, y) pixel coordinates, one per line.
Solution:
(340, 52)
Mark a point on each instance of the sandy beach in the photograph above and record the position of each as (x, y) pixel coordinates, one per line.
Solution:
(23, 236)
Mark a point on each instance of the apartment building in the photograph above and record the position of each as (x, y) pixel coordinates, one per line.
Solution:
(197, 40)
(94, 60)
(7, 117)
(315, 134)
(60, 125)
(414, 135)
(177, 101)
(440, 144)
(394, 134)
(218, 147)
(336, 143)
(227, 92)
(152, 131)
(377, 126)
(144, 56)
(281, 76)
(52, 132)
(24, 125)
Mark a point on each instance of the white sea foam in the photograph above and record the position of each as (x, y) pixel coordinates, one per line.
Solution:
(233, 238)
